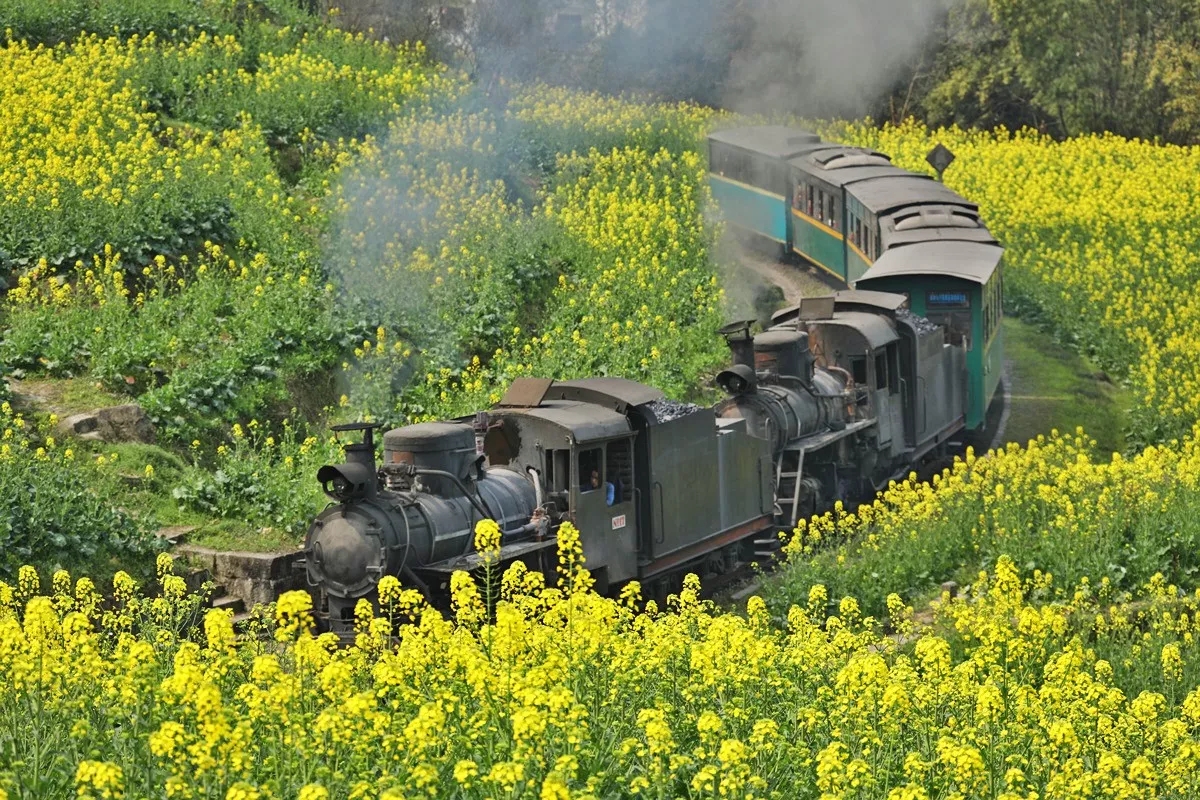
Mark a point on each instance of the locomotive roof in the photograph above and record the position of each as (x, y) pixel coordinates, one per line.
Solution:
(775, 141)
(876, 328)
(619, 393)
(586, 422)
(889, 192)
(888, 301)
(970, 261)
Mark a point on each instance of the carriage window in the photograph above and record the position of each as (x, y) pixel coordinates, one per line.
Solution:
(716, 158)
(999, 300)
(881, 371)
(858, 369)
(988, 309)
(620, 470)
(754, 172)
(810, 199)
(591, 469)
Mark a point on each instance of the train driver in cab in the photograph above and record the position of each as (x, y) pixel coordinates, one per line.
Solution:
(610, 491)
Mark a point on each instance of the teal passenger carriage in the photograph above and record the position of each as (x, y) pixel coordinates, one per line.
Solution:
(749, 177)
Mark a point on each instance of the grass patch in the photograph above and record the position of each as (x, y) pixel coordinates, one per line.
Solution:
(1053, 386)
(233, 535)
(64, 396)
(143, 478)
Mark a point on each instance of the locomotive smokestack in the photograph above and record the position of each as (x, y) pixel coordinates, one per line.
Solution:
(741, 343)
(362, 452)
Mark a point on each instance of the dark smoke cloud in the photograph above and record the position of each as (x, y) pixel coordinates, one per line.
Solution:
(819, 58)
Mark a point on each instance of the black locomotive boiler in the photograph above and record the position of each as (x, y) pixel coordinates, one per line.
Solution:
(840, 394)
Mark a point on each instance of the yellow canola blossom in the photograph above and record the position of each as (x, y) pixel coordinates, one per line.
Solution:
(1056, 502)
(81, 159)
(570, 121)
(558, 692)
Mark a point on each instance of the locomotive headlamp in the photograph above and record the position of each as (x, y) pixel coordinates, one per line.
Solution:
(738, 379)
(344, 482)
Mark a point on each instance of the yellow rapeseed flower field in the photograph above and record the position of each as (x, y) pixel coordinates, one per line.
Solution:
(1015, 690)
(1067, 668)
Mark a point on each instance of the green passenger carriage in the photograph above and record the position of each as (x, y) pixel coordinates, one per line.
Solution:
(748, 175)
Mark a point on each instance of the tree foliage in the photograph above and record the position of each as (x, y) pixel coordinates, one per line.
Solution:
(1066, 67)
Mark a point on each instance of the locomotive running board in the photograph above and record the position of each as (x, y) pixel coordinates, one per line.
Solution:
(471, 561)
(704, 547)
(801, 448)
(811, 444)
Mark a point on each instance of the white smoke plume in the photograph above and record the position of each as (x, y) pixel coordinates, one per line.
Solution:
(827, 58)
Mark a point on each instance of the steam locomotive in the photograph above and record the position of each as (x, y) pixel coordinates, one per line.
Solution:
(840, 394)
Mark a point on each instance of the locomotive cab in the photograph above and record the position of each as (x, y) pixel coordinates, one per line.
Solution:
(581, 453)
(651, 484)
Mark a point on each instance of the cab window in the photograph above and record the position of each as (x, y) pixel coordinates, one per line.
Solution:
(558, 470)
(591, 470)
(858, 370)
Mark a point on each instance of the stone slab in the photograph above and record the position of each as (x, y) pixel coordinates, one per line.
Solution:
(253, 577)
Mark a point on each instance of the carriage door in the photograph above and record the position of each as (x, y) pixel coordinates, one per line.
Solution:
(606, 514)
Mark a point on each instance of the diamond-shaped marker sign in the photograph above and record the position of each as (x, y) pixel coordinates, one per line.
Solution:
(939, 158)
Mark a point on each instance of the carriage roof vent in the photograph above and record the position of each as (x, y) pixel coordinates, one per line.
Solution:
(936, 218)
(845, 157)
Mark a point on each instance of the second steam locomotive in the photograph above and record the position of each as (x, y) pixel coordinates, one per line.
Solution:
(840, 394)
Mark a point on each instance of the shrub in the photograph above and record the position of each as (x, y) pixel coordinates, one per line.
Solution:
(52, 517)
(262, 479)
(200, 342)
(1055, 504)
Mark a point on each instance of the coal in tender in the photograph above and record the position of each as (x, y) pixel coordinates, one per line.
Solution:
(922, 324)
(668, 410)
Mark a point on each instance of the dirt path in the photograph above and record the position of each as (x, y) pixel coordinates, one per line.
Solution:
(795, 281)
